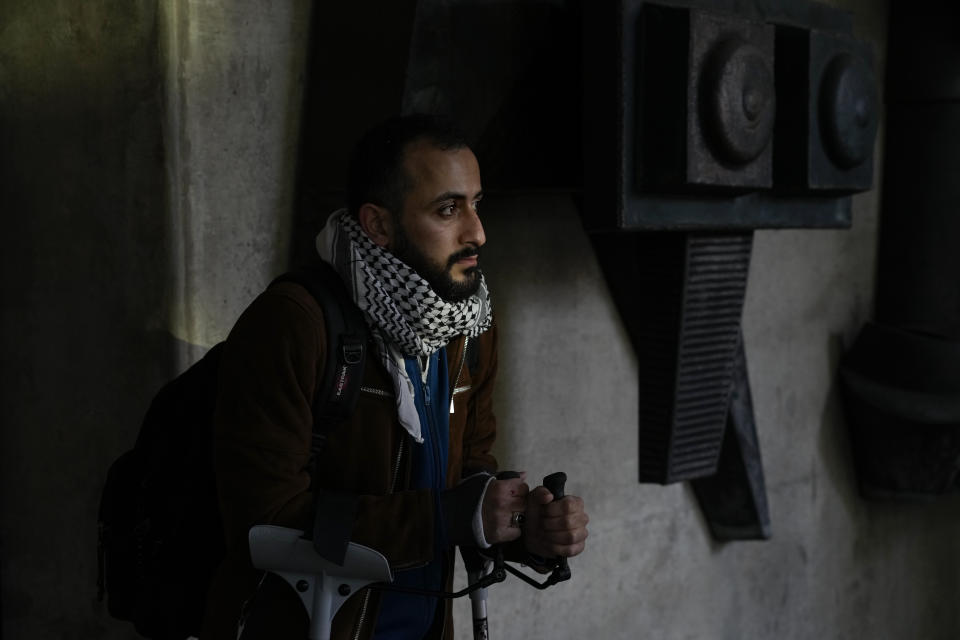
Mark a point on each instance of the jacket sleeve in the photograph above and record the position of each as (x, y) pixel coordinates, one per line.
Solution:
(271, 366)
(480, 430)
(481, 427)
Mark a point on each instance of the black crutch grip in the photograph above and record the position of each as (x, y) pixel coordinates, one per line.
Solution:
(554, 484)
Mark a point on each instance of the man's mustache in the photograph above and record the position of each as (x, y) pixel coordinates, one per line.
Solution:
(469, 252)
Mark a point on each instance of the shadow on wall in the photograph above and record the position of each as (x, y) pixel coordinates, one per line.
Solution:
(83, 271)
(883, 530)
(834, 446)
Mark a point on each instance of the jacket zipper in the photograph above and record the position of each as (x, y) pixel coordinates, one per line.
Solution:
(463, 358)
(393, 489)
(435, 436)
(454, 389)
(396, 473)
(396, 467)
(363, 614)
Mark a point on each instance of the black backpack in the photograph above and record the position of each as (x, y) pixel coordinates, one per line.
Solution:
(160, 531)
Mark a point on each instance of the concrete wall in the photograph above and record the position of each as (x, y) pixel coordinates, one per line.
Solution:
(147, 156)
(84, 261)
(836, 567)
(147, 172)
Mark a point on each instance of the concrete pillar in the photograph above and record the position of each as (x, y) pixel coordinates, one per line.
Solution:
(233, 85)
(147, 152)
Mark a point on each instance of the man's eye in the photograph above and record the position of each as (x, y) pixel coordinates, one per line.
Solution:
(448, 210)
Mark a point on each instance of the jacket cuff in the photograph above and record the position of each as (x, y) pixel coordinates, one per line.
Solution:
(478, 536)
(461, 510)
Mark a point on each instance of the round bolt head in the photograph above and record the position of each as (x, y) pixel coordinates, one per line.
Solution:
(738, 101)
(848, 104)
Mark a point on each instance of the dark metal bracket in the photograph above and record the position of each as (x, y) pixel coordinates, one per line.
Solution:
(734, 499)
(703, 122)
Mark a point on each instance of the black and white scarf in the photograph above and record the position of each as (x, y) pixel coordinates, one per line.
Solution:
(407, 316)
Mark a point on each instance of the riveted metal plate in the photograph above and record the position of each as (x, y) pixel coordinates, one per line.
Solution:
(676, 117)
(828, 121)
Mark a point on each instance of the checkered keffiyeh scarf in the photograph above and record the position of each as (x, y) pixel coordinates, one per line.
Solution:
(394, 297)
(406, 314)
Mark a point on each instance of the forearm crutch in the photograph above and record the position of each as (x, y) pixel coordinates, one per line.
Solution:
(323, 586)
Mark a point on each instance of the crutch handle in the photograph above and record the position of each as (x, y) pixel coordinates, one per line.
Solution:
(555, 483)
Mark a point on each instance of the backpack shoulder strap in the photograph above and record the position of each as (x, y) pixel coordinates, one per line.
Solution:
(347, 337)
(336, 397)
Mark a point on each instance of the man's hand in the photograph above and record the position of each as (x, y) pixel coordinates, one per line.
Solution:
(502, 500)
(554, 528)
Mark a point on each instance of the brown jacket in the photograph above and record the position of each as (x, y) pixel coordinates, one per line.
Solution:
(271, 365)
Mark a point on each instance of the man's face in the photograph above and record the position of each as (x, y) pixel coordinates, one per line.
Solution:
(439, 233)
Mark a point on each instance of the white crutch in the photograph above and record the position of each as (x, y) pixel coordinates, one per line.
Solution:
(323, 586)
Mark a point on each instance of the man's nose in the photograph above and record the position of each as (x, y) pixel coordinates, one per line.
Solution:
(472, 230)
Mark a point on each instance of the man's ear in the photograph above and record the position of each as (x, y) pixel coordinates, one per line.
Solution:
(377, 223)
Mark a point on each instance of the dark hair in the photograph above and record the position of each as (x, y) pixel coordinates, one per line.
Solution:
(376, 171)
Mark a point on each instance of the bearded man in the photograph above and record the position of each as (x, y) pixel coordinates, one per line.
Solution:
(414, 458)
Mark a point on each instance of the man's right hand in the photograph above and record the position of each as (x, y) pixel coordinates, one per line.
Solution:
(555, 528)
(502, 500)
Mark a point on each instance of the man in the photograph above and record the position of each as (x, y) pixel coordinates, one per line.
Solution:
(413, 463)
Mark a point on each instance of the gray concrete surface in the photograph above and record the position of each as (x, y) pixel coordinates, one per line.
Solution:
(84, 258)
(147, 170)
(147, 157)
(836, 567)
(233, 89)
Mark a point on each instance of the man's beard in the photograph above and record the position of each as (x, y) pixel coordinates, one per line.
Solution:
(439, 276)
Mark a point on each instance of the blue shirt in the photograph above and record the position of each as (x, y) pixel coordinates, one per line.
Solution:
(405, 616)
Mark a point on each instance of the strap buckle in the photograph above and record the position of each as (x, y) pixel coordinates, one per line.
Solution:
(351, 349)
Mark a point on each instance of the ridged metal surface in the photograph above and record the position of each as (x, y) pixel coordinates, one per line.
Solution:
(681, 434)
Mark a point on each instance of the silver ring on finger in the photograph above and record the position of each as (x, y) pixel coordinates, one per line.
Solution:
(517, 519)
